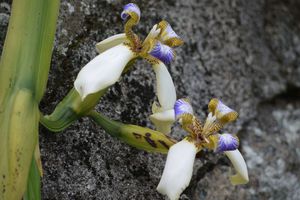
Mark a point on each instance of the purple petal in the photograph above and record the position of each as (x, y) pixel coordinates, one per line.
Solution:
(170, 32)
(124, 15)
(162, 52)
(223, 109)
(182, 106)
(167, 31)
(130, 8)
(227, 142)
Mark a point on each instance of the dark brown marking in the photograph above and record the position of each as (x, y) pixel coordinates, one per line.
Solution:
(149, 140)
(137, 135)
(148, 134)
(164, 144)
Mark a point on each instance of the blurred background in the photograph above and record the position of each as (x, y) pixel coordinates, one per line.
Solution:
(243, 52)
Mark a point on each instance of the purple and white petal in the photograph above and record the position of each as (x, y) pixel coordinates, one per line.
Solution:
(170, 33)
(162, 52)
(227, 142)
(167, 31)
(223, 109)
(182, 106)
(130, 8)
(168, 36)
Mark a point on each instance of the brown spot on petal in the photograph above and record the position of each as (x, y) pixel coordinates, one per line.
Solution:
(137, 135)
(164, 144)
(149, 140)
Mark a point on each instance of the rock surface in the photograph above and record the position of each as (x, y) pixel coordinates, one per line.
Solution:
(244, 52)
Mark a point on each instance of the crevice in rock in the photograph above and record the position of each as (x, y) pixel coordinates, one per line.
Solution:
(291, 94)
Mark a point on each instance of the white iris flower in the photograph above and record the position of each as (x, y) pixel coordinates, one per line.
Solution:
(180, 160)
(117, 51)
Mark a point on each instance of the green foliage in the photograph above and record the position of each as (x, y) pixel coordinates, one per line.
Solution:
(33, 184)
(24, 68)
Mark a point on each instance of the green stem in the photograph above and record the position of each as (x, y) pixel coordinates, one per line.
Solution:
(136, 136)
(70, 109)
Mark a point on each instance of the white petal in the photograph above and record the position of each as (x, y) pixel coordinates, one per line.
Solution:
(152, 34)
(240, 166)
(103, 71)
(110, 42)
(165, 87)
(178, 169)
(163, 121)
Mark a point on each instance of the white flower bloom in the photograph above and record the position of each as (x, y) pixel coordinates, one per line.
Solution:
(179, 166)
(103, 71)
(240, 166)
(163, 116)
(178, 169)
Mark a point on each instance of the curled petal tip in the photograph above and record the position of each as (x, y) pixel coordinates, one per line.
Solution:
(124, 15)
(129, 10)
(238, 162)
(168, 35)
(162, 52)
(221, 111)
(227, 142)
(178, 169)
(182, 106)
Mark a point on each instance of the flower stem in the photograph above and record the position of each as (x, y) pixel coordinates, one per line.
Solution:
(70, 109)
(136, 136)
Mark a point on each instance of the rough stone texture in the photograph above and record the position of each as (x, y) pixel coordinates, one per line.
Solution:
(244, 52)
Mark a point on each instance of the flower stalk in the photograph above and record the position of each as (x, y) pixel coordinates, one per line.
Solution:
(136, 136)
(69, 110)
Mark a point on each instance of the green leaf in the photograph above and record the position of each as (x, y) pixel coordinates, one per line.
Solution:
(24, 68)
(34, 183)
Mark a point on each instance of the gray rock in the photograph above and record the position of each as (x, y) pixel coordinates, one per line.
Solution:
(244, 52)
